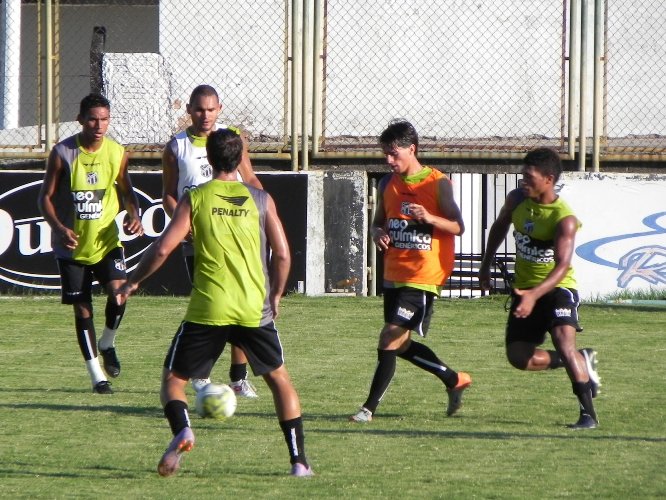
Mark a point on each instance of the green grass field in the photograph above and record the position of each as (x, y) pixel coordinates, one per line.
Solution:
(509, 440)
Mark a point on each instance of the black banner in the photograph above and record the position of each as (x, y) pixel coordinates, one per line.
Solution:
(26, 258)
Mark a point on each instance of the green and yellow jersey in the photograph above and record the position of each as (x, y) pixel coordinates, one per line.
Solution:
(87, 200)
(534, 232)
(230, 285)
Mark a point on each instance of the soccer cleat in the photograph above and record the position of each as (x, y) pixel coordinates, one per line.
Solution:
(590, 356)
(584, 422)
(111, 363)
(363, 416)
(455, 393)
(199, 383)
(103, 387)
(243, 388)
(300, 470)
(170, 462)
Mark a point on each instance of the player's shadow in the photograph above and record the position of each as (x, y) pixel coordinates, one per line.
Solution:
(357, 428)
(320, 423)
(32, 470)
(147, 411)
(78, 390)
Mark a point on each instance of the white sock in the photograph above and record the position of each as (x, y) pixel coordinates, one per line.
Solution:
(95, 371)
(108, 338)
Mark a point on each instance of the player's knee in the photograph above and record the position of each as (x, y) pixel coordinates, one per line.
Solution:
(518, 360)
(277, 377)
(83, 310)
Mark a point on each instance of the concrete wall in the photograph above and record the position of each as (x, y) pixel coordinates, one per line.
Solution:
(346, 232)
(240, 53)
(129, 29)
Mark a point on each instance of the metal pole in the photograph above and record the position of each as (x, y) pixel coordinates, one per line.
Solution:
(11, 58)
(574, 74)
(318, 39)
(583, 85)
(296, 36)
(307, 82)
(371, 246)
(49, 76)
(597, 107)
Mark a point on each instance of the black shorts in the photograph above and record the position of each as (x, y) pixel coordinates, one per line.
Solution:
(409, 308)
(76, 279)
(195, 348)
(558, 307)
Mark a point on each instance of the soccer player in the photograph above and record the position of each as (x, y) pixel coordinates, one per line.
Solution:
(242, 267)
(414, 225)
(184, 167)
(544, 295)
(79, 201)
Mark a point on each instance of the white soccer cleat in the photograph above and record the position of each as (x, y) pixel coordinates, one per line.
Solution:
(300, 470)
(199, 383)
(363, 416)
(244, 389)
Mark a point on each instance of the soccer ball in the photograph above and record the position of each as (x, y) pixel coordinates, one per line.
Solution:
(216, 401)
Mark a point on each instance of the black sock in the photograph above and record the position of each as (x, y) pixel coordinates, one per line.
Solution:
(293, 435)
(583, 391)
(422, 356)
(382, 378)
(555, 360)
(176, 413)
(114, 313)
(85, 335)
(238, 372)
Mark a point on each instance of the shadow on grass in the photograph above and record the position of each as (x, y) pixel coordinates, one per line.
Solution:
(78, 390)
(595, 434)
(152, 411)
(32, 471)
(35, 472)
(312, 421)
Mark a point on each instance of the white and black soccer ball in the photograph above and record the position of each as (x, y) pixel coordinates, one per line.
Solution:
(216, 401)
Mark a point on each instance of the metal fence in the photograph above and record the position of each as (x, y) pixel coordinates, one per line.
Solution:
(635, 71)
(470, 76)
(313, 79)
(480, 198)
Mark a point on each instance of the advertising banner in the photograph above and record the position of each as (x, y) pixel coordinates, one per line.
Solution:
(26, 258)
(622, 242)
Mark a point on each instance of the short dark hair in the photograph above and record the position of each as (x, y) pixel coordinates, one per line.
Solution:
(546, 161)
(93, 101)
(225, 149)
(203, 90)
(399, 133)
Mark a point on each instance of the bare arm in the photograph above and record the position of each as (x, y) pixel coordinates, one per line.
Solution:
(54, 170)
(280, 256)
(496, 235)
(452, 221)
(130, 201)
(245, 166)
(169, 180)
(378, 228)
(565, 236)
(157, 253)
